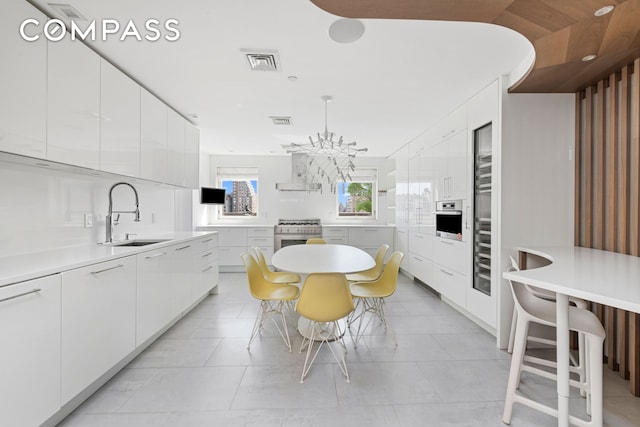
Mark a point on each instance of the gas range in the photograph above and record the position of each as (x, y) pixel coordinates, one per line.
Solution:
(295, 231)
(299, 226)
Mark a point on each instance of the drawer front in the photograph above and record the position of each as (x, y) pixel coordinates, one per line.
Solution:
(338, 240)
(422, 244)
(260, 241)
(260, 232)
(451, 254)
(230, 255)
(208, 242)
(451, 284)
(335, 232)
(370, 236)
(422, 269)
(232, 236)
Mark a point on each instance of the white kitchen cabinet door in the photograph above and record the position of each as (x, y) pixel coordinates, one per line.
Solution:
(98, 321)
(30, 356)
(369, 239)
(451, 163)
(453, 254)
(402, 186)
(450, 284)
(191, 156)
(176, 145)
(401, 243)
(153, 292)
(153, 138)
(73, 104)
(208, 266)
(336, 235)
(23, 109)
(186, 271)
(422, 269)
(458, 166)
(120, 122)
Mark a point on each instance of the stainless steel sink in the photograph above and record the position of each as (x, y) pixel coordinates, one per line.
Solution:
(139, 242)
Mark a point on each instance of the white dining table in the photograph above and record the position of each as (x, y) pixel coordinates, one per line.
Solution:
(321, 258)
(599, 276)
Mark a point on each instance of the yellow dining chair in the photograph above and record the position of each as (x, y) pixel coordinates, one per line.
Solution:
(373, 273)
(370, 296)
(273, 298)
(274, 276)
(316, 241)
(325, 298)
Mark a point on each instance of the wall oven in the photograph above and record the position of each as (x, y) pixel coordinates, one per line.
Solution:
(449, 219)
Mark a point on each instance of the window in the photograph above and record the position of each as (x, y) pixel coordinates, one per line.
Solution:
(357, 198)
(241, 191)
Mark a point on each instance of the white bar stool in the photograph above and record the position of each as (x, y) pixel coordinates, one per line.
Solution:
(533, 309)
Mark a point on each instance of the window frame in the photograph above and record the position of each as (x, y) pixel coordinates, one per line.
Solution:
(362, 175)
(238, 174)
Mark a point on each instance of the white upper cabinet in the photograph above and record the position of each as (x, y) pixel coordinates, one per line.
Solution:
(120, 122)
(73, 104)
(23, 83)
(451, 164)
(192, 156)
(176, 143)
(153, 143)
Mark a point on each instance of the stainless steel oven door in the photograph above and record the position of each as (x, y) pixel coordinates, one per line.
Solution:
(449, 224)
(282, 240)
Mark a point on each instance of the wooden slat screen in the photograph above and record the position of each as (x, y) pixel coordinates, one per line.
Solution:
(607, 195)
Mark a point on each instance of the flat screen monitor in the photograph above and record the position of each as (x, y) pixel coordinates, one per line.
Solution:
(212, 196)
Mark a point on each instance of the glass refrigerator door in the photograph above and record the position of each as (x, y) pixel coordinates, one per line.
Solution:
(482, 209)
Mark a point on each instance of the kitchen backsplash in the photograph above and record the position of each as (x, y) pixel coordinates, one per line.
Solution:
(43, 209)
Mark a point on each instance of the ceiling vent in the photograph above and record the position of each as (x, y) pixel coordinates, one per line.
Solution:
(67, 11)
(281, 120)
(265, 60)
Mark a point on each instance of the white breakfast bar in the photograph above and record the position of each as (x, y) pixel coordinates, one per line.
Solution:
(602, 277)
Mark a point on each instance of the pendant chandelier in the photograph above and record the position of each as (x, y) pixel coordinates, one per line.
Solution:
(328, 159)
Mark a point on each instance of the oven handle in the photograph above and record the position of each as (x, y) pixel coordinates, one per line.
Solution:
(449, 213)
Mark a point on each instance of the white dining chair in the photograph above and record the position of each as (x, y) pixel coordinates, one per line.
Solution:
(532, 309)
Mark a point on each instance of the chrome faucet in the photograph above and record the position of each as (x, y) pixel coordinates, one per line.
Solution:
(136, 212)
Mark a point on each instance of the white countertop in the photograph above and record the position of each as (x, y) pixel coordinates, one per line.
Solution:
(29, 266)
(600, 276)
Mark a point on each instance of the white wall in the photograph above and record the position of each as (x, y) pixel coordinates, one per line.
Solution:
(274, 204)
(42, 208)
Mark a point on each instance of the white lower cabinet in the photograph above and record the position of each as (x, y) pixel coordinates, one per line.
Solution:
(336, 235)
(369, 239)
(186, 271)
(207, 266)
(98, 321)
(452, 254)
(451, 285)
(422, 269)
(153, 298)
(30, 356)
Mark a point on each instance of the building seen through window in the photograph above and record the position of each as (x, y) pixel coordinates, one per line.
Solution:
(241, 191)
(356, 198)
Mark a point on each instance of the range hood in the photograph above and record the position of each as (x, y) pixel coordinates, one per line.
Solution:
(299, 164)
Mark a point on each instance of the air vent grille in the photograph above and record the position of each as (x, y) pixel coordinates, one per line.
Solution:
(67, 11)
(265, 60)
(281, 120)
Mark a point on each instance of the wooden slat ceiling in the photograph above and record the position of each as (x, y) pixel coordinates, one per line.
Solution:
(561, 31)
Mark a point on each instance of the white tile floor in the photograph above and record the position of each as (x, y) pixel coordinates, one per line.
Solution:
(445, 371)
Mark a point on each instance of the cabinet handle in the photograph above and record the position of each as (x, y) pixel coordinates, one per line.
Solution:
(155, 256)
(419, 236)
(207, 241)
(20, 295)
(446, 243)
(257, 238)
(417, 259)
(207, 254)
(107, 269)
(184, 247)
(370, 230)
(208, 268)
(466, 219)
(446, 272)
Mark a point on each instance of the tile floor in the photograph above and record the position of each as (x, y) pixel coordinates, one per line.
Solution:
(445, 371)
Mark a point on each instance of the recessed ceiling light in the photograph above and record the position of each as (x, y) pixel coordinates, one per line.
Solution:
(346, 30)
(604, 10)
(292, 78)
(589, 58)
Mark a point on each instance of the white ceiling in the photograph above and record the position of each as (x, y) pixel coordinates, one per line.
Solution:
(388, 87)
